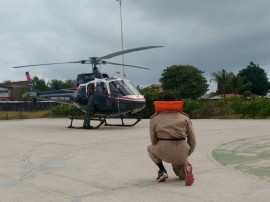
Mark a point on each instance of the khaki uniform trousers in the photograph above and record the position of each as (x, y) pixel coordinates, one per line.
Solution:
(173, 152)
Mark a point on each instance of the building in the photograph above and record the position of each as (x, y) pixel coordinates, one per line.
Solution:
(9, 90)
(4, 91)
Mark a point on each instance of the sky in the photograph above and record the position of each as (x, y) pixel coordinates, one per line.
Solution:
(210, 35)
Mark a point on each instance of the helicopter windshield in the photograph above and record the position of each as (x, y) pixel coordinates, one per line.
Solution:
(122, 88)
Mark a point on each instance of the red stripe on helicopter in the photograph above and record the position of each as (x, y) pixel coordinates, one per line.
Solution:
(131, 98)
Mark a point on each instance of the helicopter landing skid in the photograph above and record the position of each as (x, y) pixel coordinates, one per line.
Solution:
(103, 120)
(122, 122)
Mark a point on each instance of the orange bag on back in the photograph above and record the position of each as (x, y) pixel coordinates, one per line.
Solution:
(168, 106)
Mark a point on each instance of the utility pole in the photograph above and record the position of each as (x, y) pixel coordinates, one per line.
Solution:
(122, 39)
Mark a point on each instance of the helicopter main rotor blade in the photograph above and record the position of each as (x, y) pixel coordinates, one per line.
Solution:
(127, 51)
(113, 63)
(57, 63)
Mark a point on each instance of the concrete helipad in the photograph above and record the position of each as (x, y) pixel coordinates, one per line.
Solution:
(42, 160)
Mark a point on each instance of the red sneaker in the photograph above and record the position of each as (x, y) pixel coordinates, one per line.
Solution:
(189, 176)
(162, 176)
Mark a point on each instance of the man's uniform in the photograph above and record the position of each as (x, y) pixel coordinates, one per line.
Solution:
(89, 110)
(173, 139)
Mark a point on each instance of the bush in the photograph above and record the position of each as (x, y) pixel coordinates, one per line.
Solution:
(254, 108)
(193, 108)
(227, 108)
(215, 109)
(64, 111)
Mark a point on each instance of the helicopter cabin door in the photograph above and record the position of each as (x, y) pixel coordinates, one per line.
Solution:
(101, 96)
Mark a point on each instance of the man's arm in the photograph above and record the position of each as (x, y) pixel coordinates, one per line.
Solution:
(153, 136)
(191, 138)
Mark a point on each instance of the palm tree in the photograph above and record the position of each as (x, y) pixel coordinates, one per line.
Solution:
(223, 79)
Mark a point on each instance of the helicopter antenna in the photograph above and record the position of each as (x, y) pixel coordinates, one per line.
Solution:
(122, 39)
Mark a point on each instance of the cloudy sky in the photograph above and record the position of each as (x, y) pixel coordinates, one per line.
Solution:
(208, 34)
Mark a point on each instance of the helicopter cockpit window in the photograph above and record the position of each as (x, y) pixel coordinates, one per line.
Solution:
(122, 88)
(101, 87)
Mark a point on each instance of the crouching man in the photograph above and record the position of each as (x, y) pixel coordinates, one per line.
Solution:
(172, 138)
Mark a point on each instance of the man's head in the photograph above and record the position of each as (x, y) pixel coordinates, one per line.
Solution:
(169, 97)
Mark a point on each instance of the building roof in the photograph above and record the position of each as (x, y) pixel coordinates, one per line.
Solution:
(217, 97)
(232, 95)
(14, 84)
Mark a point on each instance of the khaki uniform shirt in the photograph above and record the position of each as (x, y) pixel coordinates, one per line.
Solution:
(172, 124)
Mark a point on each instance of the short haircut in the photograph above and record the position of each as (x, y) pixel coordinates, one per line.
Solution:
(169, 97)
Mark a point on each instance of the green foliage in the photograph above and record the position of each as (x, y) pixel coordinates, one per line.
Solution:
(215, 109)
(150, 95)
(40, 84)
(13, 115)
(10, 115)
(239, 85)
(193, 108)
(59, 84)
(69, 84)
(254, 108)
(7, 82)
(223, 80)
(186, 81)
(56, 84)
(227, 108)
(65, 111)
(257, 76)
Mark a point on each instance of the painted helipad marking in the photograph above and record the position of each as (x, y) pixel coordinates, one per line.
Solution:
(64, 193)
(104, 189)
(251, 156)
(67, 196)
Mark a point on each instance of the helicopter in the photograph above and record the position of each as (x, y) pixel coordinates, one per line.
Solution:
(113, 97)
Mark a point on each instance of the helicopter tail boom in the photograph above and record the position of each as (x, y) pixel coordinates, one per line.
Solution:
(63, 96)
(32, 92)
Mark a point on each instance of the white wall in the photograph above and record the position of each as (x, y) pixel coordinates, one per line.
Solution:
(4, 92)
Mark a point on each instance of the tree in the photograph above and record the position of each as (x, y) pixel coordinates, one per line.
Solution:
(69, 83)
(184, 80)
(223, 79)
(56, 84)
(59, 84)
(40, 84)
(239, 85)
(150, 94)
(257, 76)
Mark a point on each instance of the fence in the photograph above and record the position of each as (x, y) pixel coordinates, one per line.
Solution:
(27, 106)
